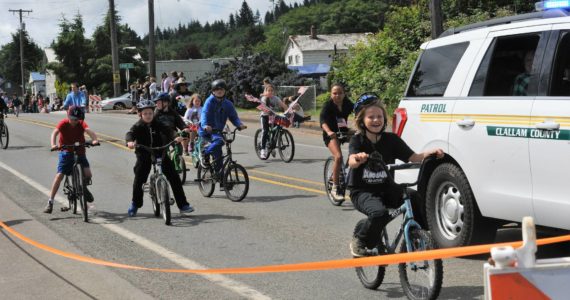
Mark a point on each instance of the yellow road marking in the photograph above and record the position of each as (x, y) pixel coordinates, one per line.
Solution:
(287, 177)
(288, 185)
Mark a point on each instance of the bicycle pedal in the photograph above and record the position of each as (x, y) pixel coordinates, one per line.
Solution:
(171, 201)
(65, 208)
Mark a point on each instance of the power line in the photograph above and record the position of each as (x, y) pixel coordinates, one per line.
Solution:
(20, 11)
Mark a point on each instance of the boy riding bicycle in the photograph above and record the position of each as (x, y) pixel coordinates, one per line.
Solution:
(369, 189)
(215, 113)
(71, 131)
(148, 131)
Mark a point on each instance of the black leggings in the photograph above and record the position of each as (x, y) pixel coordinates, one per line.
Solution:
(264, 131)
(142, 169)
(372, 205)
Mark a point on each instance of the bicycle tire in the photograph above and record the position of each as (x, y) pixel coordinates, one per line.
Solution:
(163, 195)
(181, 169)
(421, 240)
(257, 144)
(206, 183)
(78, 183)
(233, 180)
(329, 181)
(287, 144)
(371, 277)
(4, 136)
(154, 199)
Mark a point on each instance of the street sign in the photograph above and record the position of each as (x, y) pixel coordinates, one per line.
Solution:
(116, 78)
(127, 66)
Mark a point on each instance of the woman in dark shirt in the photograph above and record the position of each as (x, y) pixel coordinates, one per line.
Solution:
(333, 119)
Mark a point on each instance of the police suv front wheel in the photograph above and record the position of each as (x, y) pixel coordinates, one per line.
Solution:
(452, 214)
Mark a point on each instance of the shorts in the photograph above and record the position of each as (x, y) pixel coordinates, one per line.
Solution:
(65, 163)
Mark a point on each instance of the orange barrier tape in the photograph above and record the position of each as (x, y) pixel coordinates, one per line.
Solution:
(309, 266)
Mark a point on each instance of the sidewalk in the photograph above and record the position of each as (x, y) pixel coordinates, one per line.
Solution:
(30, 273)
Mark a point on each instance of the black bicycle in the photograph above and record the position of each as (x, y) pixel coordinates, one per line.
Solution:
(158, 186)
(4, 135)
(233, 180)
(75, 190)
(342, 175)
(280, 139)
(420, 279)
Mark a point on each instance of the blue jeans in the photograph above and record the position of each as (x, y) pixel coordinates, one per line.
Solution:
(213, 146)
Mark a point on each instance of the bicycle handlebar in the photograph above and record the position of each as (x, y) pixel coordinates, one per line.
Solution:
(74, 146)
(404, 166)
(154, 148)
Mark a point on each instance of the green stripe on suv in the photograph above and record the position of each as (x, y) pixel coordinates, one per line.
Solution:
(531, 133)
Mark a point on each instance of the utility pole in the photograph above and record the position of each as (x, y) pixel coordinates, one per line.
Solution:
(151, 55)
(436, 18)
(114, 51)
(20, 11)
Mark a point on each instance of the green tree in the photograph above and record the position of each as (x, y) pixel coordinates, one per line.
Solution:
(10, 58)
(73, 51)
(245, 16)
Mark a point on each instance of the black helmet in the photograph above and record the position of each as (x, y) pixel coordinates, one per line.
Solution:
(145, 104)
(76, 112)
(218, 84)
(162, 97)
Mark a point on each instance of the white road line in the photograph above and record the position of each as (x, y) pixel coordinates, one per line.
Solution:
(221, 280)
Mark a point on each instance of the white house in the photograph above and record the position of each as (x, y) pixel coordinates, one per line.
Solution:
(37, 83)
(49, 56)
(313, 49)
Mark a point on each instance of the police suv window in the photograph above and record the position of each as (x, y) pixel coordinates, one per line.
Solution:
(560, 84)
(434, 70)
(507, 68)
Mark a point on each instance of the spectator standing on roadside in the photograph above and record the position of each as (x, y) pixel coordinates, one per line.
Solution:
(75, 97)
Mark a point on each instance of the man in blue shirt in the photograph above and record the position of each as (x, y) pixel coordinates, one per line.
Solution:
(75, 97)
(215, 113)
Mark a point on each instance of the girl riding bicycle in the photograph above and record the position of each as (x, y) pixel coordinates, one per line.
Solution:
(369, 189)
(334, 116)
(274, 103)
(192, 117)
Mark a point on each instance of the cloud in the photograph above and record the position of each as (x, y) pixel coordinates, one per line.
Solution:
(42, 23)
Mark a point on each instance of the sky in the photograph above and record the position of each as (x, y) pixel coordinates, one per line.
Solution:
(42, 22)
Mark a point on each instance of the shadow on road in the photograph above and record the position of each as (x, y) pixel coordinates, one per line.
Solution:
(196, 219)
(12, 148)
(16, 222)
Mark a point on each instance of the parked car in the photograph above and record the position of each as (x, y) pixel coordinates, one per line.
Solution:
(121, 102)
(496, 97)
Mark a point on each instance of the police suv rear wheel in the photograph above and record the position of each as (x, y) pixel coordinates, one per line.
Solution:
(452, 213)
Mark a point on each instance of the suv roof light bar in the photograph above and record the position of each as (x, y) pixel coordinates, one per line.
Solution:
(551, 4)
(555, 13)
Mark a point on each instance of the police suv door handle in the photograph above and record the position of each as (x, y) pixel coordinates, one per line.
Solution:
(548, 126)
(466, 123)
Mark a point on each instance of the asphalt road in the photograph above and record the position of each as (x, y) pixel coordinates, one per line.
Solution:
(285, 218)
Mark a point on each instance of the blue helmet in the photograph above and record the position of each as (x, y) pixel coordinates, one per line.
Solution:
(162, 97)
(364, 100)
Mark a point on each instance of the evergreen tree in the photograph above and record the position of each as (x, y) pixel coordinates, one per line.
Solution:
(246, 17)
(232, 22)
(10, 58)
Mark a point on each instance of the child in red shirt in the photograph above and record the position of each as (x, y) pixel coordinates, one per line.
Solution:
(70, 131)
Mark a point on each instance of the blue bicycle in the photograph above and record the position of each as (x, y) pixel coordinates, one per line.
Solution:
(420, 279)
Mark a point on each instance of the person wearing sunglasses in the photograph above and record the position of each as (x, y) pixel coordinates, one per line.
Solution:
(333, 119)
(369, 190)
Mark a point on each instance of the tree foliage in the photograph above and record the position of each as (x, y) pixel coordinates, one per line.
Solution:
(246, 73)
(10, 58)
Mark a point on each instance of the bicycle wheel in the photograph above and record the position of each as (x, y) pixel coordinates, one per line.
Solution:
(78, 184)
(206, 183)
(286, 145)
(421, 279)
(70, 196)
(163, 195)
(153, 197)
(181, 169)
(328, 179)
(236, 182)
(371, 277)
(4, 136)
(257, 144)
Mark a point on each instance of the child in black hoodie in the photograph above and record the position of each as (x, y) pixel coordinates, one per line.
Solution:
(151, 133)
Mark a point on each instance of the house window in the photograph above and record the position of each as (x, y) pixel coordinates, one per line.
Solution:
(290, 59)
(292, 46)
(296, 59)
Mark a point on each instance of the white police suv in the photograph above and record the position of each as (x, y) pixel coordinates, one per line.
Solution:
(496, 97)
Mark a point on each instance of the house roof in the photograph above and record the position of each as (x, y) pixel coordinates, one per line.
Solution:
(327, 41)
(50, 55)
(36, 76)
